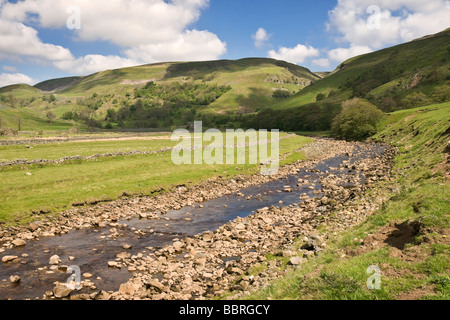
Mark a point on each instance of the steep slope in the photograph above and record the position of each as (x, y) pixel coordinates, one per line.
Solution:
(56, 85)
(405, 76)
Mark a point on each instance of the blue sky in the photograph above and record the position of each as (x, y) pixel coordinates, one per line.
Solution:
(289, 22)
(43, 39)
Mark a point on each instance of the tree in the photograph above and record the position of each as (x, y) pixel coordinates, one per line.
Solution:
(357, 121)
(388, 104)
(11, 100)
(50, 116)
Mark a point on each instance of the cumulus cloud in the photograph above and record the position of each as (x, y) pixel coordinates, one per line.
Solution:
(398, 21)
(296, 55)
(16, 39)
(260, 37)
(323, 63)
(146, 31)
(342, 54)
(184, 48)
(13, 78)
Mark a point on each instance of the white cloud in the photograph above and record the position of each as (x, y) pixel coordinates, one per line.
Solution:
(342, 54)
(399, 21)
(294, 55)
(260, 38)
(146, 31)
(323, 63)
(13, 78)
(16, 39)
(184, 48)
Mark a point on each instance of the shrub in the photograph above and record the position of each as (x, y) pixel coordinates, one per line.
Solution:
(9, 132)
(321, 97)
(281, 94)
(414, 100)
(67, 115)
(332, 93)
(357, 121)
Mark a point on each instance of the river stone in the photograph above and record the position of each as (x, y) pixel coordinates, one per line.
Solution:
(33, 227)
(143, 215)
(19, 242)
(102, 295)
(61, 291)
(14, 279)
(295, 261)
(113, 264)
(9, 258)
(240, 226)
(208, 236)
(178, 246)
(127, 289)
(123, 255)
(54, 260)
(80, 297)
(153, 283)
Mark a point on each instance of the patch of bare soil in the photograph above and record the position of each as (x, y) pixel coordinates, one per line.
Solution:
(444, 167)
(397, 235)
(417, 293)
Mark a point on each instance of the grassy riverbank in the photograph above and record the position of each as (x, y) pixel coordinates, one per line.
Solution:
(407, 238)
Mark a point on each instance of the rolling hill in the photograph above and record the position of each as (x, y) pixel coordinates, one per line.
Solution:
(251, 84)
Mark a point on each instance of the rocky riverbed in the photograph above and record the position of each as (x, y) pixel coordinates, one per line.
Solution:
(201, 266)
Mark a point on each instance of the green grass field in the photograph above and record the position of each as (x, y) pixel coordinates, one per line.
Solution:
(52, 188)
(55, 151)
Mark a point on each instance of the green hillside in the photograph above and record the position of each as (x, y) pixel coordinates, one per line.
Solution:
(409, 75)
(28, 120)
(110, 97)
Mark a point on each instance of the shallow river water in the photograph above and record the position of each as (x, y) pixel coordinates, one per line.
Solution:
(92, 249)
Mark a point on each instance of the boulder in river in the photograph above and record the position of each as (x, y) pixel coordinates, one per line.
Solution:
(54, 260)
(14, 279)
